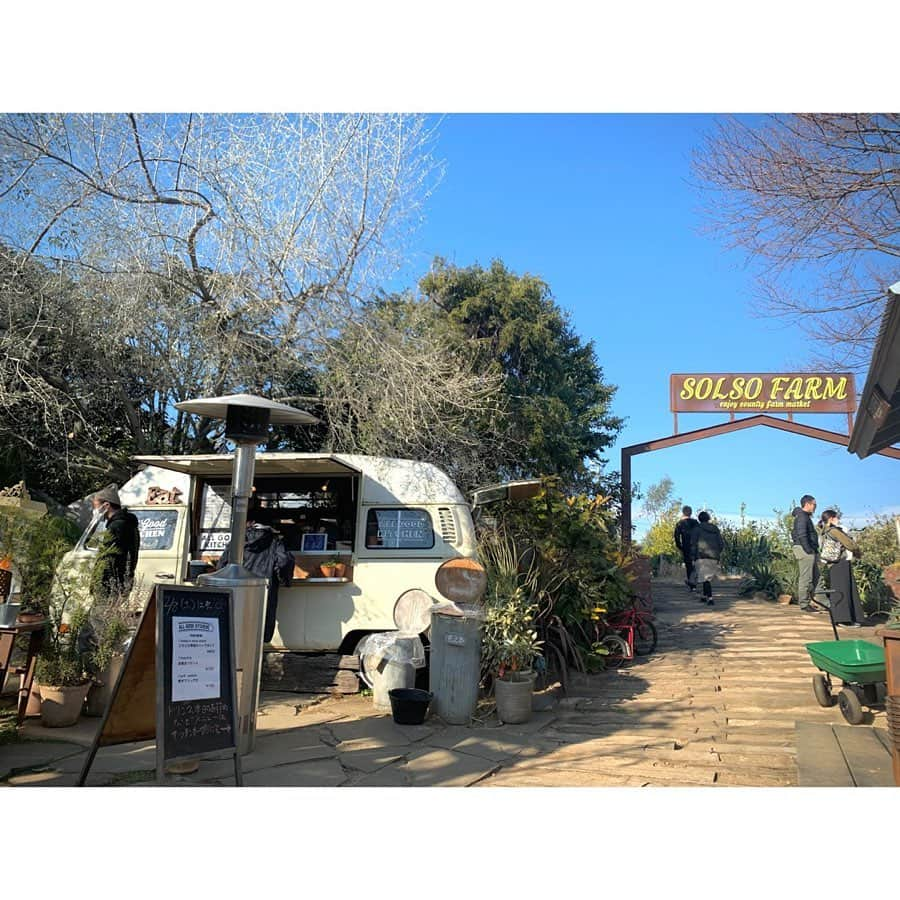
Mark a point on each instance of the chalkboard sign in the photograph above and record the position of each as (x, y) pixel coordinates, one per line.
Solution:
(196, 711)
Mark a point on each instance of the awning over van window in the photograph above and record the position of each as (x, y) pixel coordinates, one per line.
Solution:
(221, 464)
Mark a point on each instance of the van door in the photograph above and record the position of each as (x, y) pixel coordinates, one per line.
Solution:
(164, 548)
(162, 556)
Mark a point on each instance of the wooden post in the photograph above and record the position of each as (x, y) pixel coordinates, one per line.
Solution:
(626, 498)
(891, 638)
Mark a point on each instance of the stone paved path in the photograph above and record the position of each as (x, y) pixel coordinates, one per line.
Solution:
(717, 705)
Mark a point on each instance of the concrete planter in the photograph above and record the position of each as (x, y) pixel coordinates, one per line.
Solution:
(514, 697)
(61, 706)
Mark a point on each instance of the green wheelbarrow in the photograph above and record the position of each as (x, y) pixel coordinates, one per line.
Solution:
(859, 665)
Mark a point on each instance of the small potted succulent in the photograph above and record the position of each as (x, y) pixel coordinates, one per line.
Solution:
(330, 568)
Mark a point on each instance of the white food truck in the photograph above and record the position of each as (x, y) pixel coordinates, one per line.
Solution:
(391, 523)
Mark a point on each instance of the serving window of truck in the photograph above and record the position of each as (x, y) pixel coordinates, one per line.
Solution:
(294, 505)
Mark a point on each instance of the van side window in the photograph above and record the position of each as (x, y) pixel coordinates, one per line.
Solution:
(399, 529)
(157, 528)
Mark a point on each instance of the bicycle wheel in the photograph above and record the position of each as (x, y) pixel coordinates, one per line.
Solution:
(645, 638)
(617, 651)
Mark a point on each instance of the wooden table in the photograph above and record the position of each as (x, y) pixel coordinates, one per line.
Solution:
(36, 632)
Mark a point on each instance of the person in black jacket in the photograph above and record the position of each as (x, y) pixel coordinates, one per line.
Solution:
(805, 547)
(265, 555)
(683, 530)
(118, 556)
(706, 549)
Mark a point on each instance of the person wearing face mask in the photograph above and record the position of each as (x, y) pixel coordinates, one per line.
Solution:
(118, 556)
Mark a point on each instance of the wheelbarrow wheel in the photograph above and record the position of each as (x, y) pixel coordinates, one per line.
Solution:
(850, 706)
(822, 690)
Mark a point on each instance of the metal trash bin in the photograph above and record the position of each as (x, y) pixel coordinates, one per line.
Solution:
(390, 660)
(456, 663)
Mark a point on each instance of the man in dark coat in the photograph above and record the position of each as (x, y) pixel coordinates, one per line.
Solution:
(805, 547)
(265, 555)
(686, 524)
(118, 556)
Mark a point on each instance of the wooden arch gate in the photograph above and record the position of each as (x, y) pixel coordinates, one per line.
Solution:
(674, 440)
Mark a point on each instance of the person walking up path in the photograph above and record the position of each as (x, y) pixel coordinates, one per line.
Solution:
(683, 531)
(706, 550)
(805, 546)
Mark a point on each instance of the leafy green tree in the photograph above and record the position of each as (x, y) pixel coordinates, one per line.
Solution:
(660, 538)
(557, 403)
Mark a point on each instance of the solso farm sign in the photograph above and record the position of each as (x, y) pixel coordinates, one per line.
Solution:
(800, 392)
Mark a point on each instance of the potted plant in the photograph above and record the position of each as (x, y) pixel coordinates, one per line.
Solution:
(111, 624)
(329, 568)
(33, 544)
(510, 647)
(61, 666)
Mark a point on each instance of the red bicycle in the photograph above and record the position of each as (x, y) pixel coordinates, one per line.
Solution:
(627, 633)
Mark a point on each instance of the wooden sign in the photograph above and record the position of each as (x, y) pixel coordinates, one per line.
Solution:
(196, 704)
(797, 392)
(138, 708)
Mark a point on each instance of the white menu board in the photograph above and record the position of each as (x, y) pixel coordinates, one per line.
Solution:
(216, 507)
(195, 659)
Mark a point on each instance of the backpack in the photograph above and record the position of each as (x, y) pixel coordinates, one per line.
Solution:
(830, 549)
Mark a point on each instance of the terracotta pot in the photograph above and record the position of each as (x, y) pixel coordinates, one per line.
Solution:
(61, 706)
(99, 695)
(327, 571)
(340, 570)
(785, 599)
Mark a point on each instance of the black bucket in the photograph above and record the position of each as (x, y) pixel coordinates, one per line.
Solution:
(409, 705)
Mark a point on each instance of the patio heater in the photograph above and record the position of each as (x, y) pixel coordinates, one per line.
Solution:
(247, 419)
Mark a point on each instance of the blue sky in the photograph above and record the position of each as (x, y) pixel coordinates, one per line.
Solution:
(602, 207)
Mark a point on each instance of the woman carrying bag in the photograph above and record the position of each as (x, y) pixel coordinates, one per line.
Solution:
(836, 549)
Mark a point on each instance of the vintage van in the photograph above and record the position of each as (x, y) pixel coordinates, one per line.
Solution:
(391, 523)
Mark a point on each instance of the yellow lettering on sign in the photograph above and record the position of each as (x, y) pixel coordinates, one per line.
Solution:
(835, 391)
(795, 390)
(754, 388)
(687, 389)
(737, 389)
(813, 389)
(717, 394)
(704, 388)
(777, 385)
